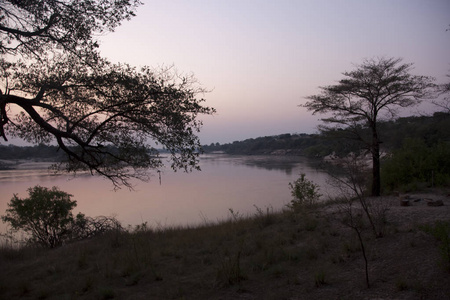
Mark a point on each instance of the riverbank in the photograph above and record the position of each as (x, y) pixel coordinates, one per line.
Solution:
(309, 254)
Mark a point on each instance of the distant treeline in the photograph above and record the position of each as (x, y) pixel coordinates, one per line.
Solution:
(430, 129)
(43, 152)
(38, 152)
(293, 144)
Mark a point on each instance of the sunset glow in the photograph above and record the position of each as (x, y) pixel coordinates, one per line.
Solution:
(260, 59)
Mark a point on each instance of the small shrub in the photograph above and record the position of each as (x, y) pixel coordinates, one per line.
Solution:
(236, 216)
(416, 165)
(9, 251)
(319, 279)
(82, 261)
(46, 215)
(266, 218)
(305, 193)
(379, 214)
(230, 272)
(46, 218)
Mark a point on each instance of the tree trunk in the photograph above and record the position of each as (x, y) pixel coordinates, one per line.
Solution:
(376, 182)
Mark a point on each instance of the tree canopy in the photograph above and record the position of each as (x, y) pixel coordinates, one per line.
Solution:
(376, 89)
(33, 27)
(46, 214)
(55, 88)
(444, 101)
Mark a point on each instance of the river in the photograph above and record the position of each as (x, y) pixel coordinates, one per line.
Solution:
(241, 183)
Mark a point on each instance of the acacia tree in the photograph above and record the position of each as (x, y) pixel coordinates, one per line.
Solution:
(55, 88)
(376, 89)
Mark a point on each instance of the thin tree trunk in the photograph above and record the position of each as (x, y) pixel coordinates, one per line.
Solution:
(363, 249)
(376, 181)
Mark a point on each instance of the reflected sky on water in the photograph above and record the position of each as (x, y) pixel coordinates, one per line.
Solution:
(236, 182)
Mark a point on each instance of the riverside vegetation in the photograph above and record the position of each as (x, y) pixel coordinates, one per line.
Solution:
(352, 247)
(306, 252)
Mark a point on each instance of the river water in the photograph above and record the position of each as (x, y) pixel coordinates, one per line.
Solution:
(241, 183)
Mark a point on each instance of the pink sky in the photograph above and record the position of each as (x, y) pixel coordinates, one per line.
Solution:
(261, 58)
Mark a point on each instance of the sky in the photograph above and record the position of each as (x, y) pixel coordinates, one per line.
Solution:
(260, 59)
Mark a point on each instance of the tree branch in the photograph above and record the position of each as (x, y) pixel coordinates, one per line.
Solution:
(54, 18)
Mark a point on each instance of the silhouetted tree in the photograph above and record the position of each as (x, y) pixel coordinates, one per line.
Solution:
(102, 115)
(33, 27)
(375, 89)
(444, 92)
(46, 215)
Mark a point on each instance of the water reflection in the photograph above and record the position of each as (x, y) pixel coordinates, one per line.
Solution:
(237, 182)
(286, 164)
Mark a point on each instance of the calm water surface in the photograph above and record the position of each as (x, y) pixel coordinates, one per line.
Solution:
(236, 182)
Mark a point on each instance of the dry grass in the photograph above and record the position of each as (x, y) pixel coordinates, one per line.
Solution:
(284, 255)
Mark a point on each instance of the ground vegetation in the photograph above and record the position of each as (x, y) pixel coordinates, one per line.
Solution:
(304, 254)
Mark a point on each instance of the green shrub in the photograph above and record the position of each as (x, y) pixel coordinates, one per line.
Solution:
(416, 164)
(264, 218)
(305, 193)
(46, 216)
(230, 271)
(320, 279)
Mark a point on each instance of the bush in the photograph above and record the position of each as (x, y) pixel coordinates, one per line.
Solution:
(46, 216)
(85, 227)
(305, 193)
(416, 164)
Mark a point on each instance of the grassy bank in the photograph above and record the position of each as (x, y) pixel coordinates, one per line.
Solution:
(308, 254)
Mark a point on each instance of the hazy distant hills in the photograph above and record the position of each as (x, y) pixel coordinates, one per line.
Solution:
(431, 129)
